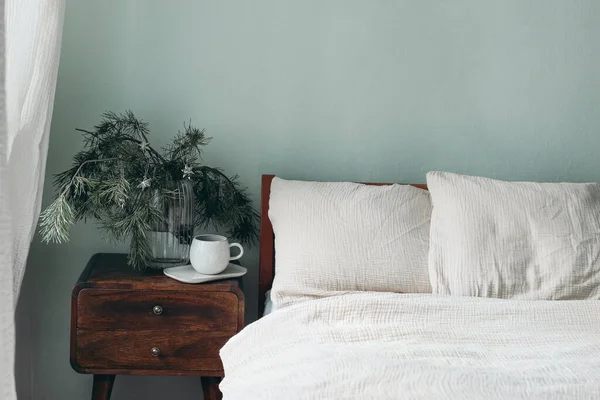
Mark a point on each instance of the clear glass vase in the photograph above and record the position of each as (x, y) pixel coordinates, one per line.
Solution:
(171, 238)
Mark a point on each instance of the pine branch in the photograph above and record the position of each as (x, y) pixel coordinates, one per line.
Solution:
(225, 203)
(56, 221)
(114, 191)
(142, 219)
(140, 253)
(104, 184)
(126, 127)
(62, 179)
(187, 145)
(76, 174)
(126, 123)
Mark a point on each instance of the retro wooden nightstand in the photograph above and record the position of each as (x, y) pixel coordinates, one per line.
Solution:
(143, 323)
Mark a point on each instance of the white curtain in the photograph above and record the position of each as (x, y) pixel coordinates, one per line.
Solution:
(32, 33)
(7, 328)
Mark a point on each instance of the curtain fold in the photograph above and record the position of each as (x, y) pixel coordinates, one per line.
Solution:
(7, 327)
(31, 39)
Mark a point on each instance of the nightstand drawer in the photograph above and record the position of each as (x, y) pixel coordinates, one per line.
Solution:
(105, 309)
(150, 350)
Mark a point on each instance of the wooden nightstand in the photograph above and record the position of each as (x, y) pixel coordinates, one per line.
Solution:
(143, 323)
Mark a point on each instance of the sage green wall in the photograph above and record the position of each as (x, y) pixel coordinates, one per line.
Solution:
(336, 90)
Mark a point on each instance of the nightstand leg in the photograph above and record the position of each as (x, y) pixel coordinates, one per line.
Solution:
(103, 385)
(210, 388)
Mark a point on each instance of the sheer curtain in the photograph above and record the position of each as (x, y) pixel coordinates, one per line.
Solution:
(32, 32)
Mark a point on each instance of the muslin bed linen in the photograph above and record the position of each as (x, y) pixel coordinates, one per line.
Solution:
(368, 345)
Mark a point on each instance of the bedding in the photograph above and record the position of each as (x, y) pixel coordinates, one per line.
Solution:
(269, 308)
(522, 240)
(333, 237)
(414, 346)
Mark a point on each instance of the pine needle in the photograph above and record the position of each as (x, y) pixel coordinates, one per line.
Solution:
(56, 221)
(104, 184)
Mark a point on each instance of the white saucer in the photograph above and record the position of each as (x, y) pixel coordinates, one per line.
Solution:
(187, 274)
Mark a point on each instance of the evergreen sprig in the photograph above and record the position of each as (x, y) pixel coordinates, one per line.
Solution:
(105, 183)
(57, 220)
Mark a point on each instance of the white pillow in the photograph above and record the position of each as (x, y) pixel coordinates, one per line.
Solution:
(337, 237)
(521, 240)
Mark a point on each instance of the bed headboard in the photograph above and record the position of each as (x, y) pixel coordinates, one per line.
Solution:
(266, 271)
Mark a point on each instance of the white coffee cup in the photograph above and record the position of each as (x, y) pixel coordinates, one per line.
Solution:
(209, 254)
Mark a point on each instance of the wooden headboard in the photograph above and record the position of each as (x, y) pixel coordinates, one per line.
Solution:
(266, 271)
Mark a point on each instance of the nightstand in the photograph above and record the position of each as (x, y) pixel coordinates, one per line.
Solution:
(143, 323)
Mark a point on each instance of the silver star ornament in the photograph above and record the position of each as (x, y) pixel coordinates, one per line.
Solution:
(144, 146)
(144, 183)
(187, 172)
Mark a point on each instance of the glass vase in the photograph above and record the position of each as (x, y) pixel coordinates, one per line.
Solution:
(171, 237)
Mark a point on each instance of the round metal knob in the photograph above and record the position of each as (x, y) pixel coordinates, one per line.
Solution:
(155, 351)
(157, 310)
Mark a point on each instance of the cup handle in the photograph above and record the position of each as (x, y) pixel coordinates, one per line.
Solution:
(241, 251)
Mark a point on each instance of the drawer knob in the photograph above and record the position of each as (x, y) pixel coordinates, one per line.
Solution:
(155, 351)
(157, 310)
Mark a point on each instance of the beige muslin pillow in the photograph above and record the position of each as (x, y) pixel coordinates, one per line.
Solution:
(332, 237)
(521, 240)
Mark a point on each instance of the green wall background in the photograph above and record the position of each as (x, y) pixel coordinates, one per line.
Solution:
(327, 90)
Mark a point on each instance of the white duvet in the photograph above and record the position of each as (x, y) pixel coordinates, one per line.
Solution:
(394, 346)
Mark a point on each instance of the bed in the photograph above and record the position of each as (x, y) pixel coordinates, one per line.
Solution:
(361, 344)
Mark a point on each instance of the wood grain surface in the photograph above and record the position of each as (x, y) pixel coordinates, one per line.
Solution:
(106, 309)
(178, 350)
(114, 326)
